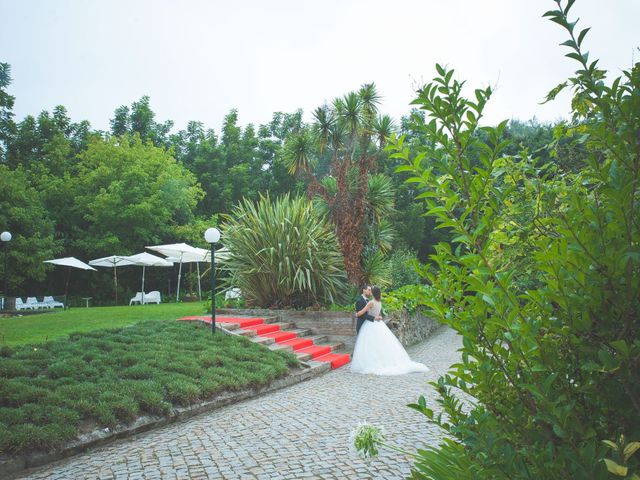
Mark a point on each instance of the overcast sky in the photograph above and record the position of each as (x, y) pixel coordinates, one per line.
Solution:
(198, 59)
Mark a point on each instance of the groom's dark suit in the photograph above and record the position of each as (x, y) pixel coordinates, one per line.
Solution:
(360, 304)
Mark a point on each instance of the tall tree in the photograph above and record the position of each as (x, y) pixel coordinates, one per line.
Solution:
(127, 194)
(140, 119)
(22, 212)
(351, 134)
(7, 126)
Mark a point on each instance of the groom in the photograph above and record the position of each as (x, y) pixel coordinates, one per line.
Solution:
(361, 302)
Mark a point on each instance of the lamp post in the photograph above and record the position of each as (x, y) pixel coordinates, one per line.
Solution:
(5, 237)
(212, 235)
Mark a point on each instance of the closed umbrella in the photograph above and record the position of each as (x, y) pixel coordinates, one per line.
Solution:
(114, 261)
(145, 260)
(70, 262)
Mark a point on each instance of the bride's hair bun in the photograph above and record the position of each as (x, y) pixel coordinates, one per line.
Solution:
(375, 291)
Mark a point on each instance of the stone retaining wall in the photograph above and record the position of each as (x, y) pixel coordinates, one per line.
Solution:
(341, 326)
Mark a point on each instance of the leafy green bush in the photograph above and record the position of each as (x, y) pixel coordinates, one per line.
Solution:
(283, 253)
(409, 298)
(550, 367)
(401, 268)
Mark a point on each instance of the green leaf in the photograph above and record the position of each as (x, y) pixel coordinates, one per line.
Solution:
(488, 299)
(557, 429)
(630, 449)
(616, 469)
(582, 35)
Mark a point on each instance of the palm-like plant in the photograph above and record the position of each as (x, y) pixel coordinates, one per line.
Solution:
(298, 149)
(376, 268)
(380, 206)
(352, 134)
(283, 253)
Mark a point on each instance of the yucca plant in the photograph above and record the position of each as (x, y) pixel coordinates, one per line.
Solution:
(283, 253)
(376, 268)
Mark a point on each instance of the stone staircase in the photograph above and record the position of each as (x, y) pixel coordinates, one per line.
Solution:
(276, 335)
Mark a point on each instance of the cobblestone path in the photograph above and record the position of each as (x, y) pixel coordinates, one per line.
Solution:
(299, 432)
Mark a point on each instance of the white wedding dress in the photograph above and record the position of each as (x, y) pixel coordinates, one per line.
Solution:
(379, 352)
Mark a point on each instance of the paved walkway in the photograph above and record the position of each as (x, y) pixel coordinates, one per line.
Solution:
(298, 432)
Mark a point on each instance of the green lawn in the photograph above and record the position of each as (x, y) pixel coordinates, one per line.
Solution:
(42, 327)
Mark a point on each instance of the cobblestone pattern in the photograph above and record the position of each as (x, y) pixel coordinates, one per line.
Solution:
(298, 432)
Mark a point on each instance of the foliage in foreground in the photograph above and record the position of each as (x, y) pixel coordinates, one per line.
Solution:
(109, 377)
(550, 367)
(283, 253)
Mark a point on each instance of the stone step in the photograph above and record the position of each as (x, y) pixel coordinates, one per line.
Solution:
(280, 346)
(263, 328)
(315, 351)
(336, 360)
(242, 322)
(263, 340)
(273, 319)
(280, 336)
(335, 346)
(300, 332)
(229, 326)
(303, 356)
(246, 333)
(298, 343)
(318, 339)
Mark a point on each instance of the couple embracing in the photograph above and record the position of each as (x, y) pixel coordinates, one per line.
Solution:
(377, 350)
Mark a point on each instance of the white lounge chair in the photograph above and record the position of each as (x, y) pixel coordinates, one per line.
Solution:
(50, 302)
(137, 298)
(152, 297)
(34, 303)
(232, 294)
(20, 305)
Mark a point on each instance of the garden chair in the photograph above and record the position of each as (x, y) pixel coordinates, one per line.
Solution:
(152, 297)
(232, 294)
(137, 298)
(33, 303)
(20, 305)
(50, 302)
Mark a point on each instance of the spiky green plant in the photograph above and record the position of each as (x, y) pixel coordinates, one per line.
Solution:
(283, 253)
(376, 268)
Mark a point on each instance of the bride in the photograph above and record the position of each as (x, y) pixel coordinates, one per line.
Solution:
(377, 349)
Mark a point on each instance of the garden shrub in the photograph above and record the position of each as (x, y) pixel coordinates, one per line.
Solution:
(402, 270)
(549, 373)
(283, 253)
(410, 298)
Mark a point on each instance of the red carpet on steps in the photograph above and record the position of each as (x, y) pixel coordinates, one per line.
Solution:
(297, 343)
(264, 328)
(319, 353)
(280, 335)
(337, 359)
(315, 350)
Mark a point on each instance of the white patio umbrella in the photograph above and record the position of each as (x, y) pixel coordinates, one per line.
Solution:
(197, 256)
(71, 262)
(145, 260)
(181, 252)
(114, 261)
